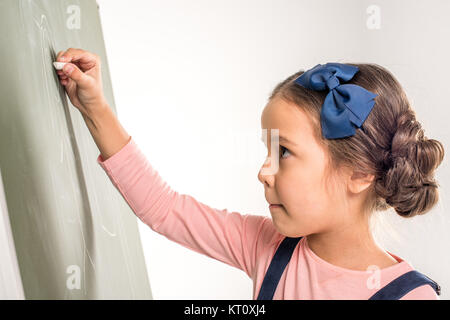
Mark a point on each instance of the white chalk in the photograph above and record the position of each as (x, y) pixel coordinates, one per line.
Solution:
(59, 65)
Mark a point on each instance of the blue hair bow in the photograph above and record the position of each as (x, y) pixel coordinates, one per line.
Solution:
(345, 103)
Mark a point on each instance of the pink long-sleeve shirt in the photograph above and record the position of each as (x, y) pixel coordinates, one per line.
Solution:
(247, 242)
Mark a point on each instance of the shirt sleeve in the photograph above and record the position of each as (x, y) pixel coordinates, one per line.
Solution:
(425, 292)
(226, 236)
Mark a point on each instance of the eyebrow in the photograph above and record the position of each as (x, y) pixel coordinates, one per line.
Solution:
(283, 139)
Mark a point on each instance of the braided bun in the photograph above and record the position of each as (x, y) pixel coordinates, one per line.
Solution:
(408, 184)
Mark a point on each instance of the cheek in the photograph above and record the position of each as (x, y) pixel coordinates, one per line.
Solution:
(300, 186)
(304, 196)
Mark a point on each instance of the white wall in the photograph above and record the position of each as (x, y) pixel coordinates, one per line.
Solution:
(191, 78)
(11, 287)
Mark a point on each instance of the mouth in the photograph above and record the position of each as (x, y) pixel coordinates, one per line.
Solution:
(275, 205)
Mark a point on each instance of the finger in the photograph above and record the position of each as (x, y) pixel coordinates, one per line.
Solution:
(60, 53)
(61, 74)
(65, 81)
(69, 54)
(74, 73)
(85, 60)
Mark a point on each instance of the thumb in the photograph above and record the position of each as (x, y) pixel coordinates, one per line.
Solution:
(76, 75)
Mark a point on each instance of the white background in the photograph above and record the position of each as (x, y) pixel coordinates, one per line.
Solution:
(190, 81)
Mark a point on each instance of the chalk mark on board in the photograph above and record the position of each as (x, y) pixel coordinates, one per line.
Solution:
(48, 56)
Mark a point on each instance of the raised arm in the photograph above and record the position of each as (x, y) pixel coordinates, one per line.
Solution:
(81, 77)
(229, 237)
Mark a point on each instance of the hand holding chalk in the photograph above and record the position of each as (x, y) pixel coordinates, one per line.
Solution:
(80, 74)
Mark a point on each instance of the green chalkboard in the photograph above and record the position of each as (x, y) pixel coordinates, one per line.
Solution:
(75, 236)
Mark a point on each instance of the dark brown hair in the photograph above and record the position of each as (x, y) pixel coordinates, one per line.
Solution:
(391, 143)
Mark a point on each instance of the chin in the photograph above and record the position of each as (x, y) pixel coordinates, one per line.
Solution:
(281, 229)
(287, 230)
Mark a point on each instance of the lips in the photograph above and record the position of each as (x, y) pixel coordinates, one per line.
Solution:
(275, 205)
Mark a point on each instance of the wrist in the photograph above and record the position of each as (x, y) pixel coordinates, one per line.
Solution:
(95, 115)
(108, 133)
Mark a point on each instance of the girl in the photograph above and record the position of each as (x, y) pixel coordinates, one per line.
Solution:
(331, 174)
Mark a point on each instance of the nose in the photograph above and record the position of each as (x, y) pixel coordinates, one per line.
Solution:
(264, 174)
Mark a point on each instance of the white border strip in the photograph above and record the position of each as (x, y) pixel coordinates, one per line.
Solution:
(10, 281)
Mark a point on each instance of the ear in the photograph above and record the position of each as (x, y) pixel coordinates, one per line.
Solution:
(359, 181)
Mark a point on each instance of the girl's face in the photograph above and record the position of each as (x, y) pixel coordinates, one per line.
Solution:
(299, 183)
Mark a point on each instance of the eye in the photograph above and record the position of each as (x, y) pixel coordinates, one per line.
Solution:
(283, 148)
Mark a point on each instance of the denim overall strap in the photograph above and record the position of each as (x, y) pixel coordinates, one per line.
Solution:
(400, 286)
(276, 268)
